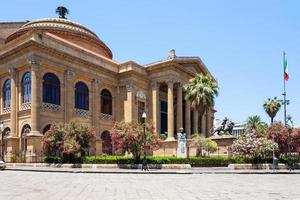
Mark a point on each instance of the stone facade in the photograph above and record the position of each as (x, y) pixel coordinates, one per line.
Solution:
(87, 86)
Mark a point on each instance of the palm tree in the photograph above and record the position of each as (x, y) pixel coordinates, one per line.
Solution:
(272, 106)
(254, 121)
(62, 12)
(201, 92)
(255, 125)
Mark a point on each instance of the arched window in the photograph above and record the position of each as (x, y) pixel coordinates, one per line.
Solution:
(26, 88)
(106, 102)
(81, 96)
(51, 89)
(6, 94)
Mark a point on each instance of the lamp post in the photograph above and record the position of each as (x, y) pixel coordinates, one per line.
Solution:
(2, 141)
(290, 126)
(144, 116)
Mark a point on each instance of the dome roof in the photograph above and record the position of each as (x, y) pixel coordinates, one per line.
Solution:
(59, 25)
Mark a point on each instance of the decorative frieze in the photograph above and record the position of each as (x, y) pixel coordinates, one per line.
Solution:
(69, 74)
(141, 95)
(34, 62)
(51, 107)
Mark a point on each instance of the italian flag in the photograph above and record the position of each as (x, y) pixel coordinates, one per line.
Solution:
(286, 69)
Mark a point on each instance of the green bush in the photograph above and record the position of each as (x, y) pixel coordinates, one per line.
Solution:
(53, 159)
(213, 161)
(194, 161)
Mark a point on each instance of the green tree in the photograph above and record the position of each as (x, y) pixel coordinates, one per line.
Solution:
(272, 106)
(210, 146)
(201, 92)
(198, 142)
(256, 125)
(202, 143)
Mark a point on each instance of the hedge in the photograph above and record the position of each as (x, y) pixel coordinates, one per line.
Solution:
(213, 161)
(194, 161)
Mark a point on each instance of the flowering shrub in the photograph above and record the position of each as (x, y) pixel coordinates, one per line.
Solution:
(68, 140)
(279, 133)
(254, 147)
(130, 137)
(203, 143)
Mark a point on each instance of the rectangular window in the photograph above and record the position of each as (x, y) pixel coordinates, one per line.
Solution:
(141, 110)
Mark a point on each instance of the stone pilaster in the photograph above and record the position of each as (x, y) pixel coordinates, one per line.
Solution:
(195, 121)
(155, 107)
(179, 123)
(35, 97)
(170, 110)
(129, 103)
(188, 119)
(69, 95)
(13, 102)
(96, 104)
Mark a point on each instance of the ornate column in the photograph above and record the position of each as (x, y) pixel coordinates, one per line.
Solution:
(68, 95)
(203, 124)
(196, 120)
(188, 119)
(210, 120)
(96, 104)
(179, 123)
(13, 102)
(35, 96)
(170, 110)
(155, 107)
(12, 138)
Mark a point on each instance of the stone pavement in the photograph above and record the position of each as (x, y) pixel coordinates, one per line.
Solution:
(17, 185)
(194, 170)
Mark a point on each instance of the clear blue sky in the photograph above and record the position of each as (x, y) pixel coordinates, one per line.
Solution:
(240, 42)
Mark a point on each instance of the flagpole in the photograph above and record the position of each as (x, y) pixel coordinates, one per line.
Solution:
(284, 91)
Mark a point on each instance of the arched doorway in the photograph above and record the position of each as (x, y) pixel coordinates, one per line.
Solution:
(46, 128)
(106, 144)
(25, 130)
(6, 132)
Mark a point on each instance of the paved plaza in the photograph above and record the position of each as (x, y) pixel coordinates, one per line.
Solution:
(36, 185)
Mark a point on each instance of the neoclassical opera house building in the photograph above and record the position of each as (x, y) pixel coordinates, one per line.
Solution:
(56, 70)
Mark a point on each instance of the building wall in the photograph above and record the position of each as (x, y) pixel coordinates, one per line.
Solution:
(128, 83)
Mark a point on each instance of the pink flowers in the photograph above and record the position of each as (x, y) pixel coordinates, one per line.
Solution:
(69, 139)
(130, 137)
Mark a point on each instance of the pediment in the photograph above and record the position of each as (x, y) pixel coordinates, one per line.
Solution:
(192, 67)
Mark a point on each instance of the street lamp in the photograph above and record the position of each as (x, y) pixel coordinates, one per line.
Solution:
(2, 140)
(144, 116)
(290, 126)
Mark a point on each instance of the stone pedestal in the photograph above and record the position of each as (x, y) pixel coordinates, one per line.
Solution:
(12, 149)
(168, 148)
(34, 148)
(181, 144)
